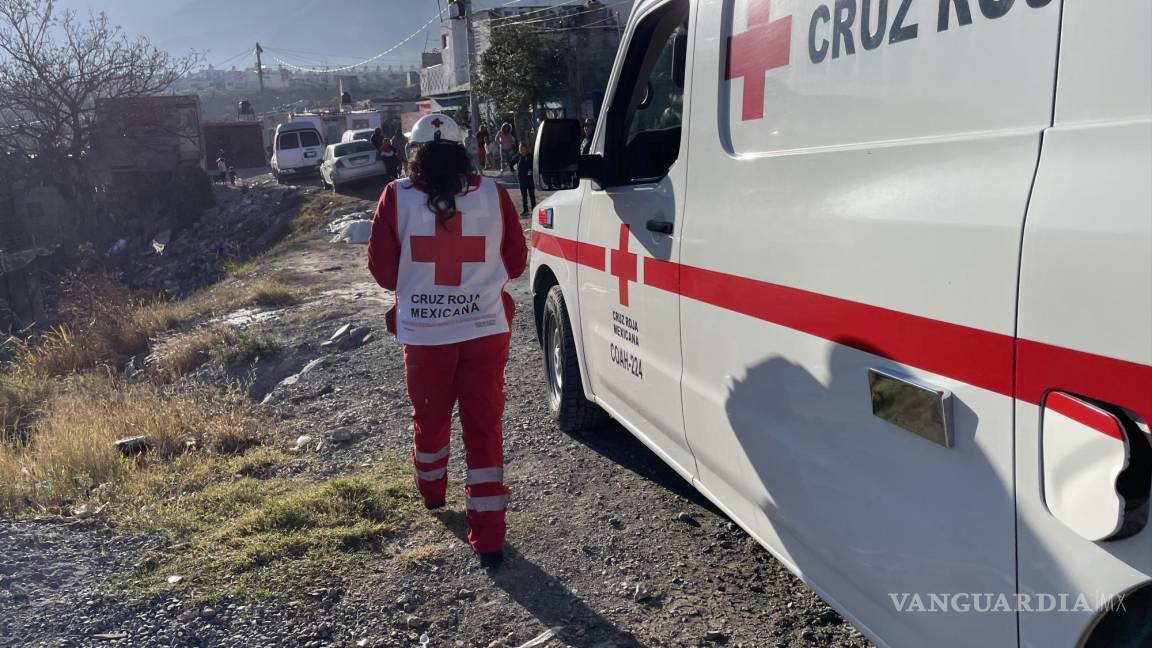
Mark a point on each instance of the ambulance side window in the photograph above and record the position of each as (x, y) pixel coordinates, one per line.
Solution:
(645, 118)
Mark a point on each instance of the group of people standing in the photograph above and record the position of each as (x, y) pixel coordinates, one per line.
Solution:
(484, 151)
(392, 151)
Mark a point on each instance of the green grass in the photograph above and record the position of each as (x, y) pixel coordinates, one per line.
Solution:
(276, 537)
(243, 347)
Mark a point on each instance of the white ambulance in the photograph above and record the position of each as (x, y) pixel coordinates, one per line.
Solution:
(876, 277)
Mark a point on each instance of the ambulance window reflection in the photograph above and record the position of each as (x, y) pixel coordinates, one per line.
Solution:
(653, 133)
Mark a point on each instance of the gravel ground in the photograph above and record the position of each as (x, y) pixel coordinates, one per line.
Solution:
(607, 546)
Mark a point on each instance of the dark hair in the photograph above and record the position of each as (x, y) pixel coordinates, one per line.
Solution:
(441, 169)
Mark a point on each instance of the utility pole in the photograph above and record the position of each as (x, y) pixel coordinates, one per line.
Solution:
(260, 67)
(473, 107)
(462, 10)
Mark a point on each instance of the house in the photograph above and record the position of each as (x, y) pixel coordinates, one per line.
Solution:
(590, 30)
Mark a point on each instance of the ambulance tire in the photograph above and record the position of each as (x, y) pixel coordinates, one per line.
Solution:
(570, 409)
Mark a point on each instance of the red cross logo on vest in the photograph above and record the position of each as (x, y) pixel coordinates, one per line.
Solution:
(437, 122)
(624, 265)
(764, 46)
(449, 249)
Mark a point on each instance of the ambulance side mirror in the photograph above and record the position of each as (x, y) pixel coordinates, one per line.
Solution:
(558, 154)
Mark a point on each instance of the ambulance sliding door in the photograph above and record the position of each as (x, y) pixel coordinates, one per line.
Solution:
(860, 174)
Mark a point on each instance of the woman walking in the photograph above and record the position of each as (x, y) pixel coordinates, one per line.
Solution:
(506, 139)
(446, 241)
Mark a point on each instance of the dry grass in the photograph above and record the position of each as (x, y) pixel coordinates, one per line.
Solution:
(310, 316)
(423, 556)
(226, 345)
(69, 457)
(314, 214)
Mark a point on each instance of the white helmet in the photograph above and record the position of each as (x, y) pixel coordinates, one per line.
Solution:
(436, 127)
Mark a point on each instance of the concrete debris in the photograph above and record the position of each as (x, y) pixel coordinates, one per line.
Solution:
(347, 337)
(178, 259)
(356, 232)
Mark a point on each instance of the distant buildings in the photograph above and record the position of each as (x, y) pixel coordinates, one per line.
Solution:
(590, 30)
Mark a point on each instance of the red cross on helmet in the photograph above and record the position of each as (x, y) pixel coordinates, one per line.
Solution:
(436, 127)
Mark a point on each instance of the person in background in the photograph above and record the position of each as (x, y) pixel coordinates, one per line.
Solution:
(589, 131)
(447, 235)
(523, 165)
(391, 159)
(378, 141)
(483, 139)
(400, 145)
(506, 138)
(227, 175)
(472, 146)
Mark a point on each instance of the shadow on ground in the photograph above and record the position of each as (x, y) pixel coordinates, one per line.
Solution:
(545, 597)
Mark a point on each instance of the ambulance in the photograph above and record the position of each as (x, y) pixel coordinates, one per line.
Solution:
(875, 276)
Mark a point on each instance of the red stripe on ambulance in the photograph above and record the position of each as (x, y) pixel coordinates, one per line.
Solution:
(974, 356)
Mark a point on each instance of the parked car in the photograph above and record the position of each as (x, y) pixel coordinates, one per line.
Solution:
(887, 304)
(297, 149)
(358, 134)
(350, 161)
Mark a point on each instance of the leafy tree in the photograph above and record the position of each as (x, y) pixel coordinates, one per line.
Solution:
(54, 67)
(520, 69)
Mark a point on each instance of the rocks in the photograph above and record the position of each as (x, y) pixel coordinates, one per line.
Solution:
(175, 579)
(716, 636)
(346, 337)
(342, 434)
(687, 518)
(132, 446)
(288, 382)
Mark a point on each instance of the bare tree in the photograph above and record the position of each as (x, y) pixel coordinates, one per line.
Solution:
(54, 66)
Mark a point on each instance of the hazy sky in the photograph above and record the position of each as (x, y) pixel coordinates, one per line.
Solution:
(301, 32)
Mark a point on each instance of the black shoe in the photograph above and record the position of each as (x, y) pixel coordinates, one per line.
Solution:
(491, 560)
(433, 507)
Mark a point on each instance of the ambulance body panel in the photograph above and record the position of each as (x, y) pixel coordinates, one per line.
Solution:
(878, 193)
(1086, 290)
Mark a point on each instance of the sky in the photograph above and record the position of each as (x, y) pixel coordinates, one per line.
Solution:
(300, 32)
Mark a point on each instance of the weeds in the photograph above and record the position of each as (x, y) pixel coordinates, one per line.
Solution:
(278, 537)
(70, 458)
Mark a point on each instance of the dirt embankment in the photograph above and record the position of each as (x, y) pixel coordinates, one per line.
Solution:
(607, 546)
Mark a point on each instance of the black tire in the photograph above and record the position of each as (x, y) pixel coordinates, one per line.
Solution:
(570, 409)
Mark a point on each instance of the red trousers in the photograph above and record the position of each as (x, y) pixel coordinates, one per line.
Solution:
(471, 373)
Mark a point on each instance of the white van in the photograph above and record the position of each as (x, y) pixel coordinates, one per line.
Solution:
(298, 148)
(876, 277)
(358, 134)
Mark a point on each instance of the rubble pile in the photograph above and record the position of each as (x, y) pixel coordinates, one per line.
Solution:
(351, 226)
(246, 221)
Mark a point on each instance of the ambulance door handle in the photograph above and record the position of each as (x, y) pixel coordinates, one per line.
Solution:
(660, 227)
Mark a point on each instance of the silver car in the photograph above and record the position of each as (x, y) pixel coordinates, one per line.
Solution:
(350, 161)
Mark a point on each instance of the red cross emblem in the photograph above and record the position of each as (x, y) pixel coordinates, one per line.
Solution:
(437, 122)
(449, 249)
(624, 264)
(764, 46)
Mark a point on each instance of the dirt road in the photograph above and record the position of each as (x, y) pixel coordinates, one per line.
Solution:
(607, 546)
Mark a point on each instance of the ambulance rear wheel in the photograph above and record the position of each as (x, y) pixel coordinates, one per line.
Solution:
(570, 409)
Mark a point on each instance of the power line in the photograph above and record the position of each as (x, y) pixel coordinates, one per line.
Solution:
(534, 11)
(233, 58)
(560, 17)
(365, 61)
(564, 29)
